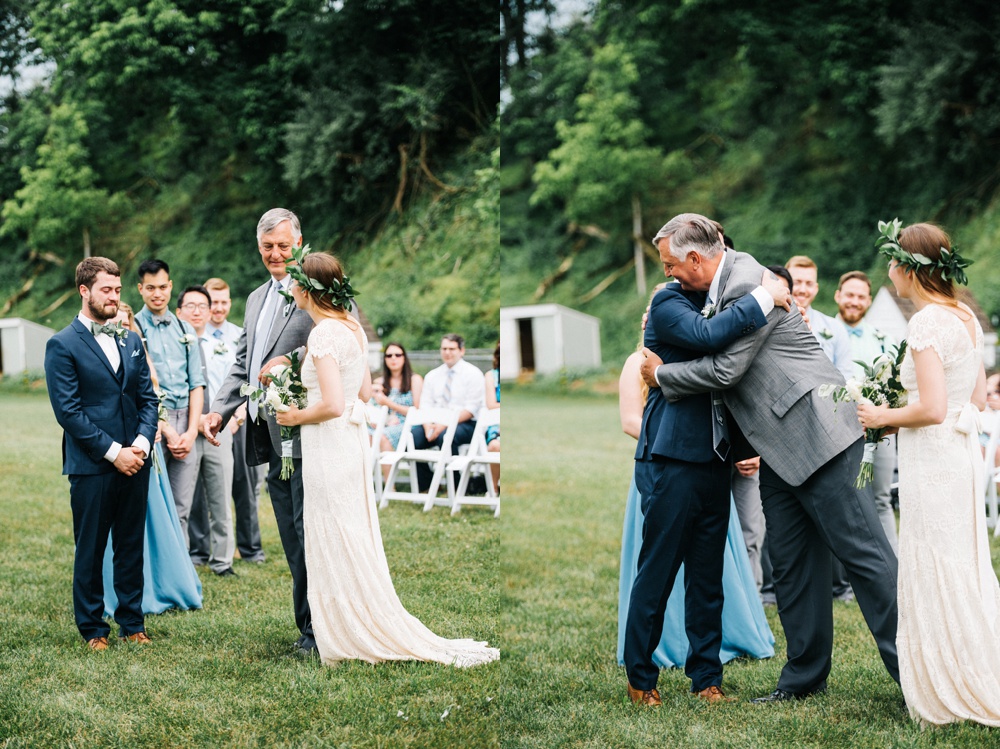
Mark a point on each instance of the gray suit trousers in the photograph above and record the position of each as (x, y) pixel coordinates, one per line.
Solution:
(827, 514)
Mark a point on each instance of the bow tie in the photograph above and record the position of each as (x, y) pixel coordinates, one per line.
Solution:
(856, 332)
(161, 320)
(109, 328)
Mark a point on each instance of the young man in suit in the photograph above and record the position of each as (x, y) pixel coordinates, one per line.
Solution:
(103, 398)
(274, 327)
(810, 452)
(682, 471)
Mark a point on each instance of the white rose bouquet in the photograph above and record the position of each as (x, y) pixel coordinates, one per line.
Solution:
(284, 390)
(880, 386)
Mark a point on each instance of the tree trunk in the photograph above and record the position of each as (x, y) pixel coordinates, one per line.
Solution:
(640, 260)
(86, 242)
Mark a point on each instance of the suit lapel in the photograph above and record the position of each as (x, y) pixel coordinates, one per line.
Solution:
(91, 342)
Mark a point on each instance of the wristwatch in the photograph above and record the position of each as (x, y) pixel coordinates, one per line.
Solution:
(239, 422)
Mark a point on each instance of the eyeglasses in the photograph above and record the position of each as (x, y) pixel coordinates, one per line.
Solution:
(394, 356)
(191, 306)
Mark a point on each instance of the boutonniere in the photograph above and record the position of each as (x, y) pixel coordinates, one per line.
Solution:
(879, 335)
(825, 334)
(220, 348)
(708, 311)
(121, 333)
(187, 339)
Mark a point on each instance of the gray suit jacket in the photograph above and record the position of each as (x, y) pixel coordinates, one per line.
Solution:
(770, 379)
(290, 332)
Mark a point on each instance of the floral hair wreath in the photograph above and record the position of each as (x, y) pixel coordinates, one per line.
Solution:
(950, 263)
(340, 292)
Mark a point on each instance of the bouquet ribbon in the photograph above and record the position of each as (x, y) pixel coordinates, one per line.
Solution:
(969, 425)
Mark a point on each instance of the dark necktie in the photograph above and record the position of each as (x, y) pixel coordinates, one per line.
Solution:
(720, 428)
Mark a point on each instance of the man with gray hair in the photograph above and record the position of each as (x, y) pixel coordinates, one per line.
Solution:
(770, 381)
(272, 329)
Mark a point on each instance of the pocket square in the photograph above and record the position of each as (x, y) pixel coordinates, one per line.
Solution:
(135, 353)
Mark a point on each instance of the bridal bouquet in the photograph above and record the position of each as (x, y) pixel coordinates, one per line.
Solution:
(881, 387)
(284, 390)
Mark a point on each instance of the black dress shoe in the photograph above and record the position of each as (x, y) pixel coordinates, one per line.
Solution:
(780, 695)
(228, 572)
(306, 646)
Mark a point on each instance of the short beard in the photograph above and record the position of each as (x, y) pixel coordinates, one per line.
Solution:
(851, 317)
(98, 314)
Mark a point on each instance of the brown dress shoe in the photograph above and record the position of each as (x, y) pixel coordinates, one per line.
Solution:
(139, 638)
(98, 643)
(648, 697)
(714, 694)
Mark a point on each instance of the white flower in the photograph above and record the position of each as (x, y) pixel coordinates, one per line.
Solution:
(827, 389)
(279, 371)
(854, 391)
(187, 339)
(825, 334)
(708, 311)
(246, 388)
(220, 348)
(273, 400)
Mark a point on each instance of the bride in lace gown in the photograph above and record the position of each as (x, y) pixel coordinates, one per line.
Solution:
(949, 599)
(356, 613)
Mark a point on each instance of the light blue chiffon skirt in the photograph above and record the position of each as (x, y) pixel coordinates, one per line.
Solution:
(169, 577)
(744, 626)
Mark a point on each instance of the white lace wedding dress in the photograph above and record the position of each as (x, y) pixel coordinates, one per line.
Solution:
(355, 611)
(949, 600)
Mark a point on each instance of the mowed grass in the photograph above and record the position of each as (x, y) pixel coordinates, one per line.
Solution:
(567, 467)
(225, 675)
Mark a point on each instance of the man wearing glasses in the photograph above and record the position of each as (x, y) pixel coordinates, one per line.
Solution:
(172, 345)
(456, 385)
(215, 466)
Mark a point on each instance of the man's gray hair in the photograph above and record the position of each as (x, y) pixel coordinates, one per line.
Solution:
(691, 232)
(270, 220)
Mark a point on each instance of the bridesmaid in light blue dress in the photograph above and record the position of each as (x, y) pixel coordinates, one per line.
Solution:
(744, 627)
(169, 578)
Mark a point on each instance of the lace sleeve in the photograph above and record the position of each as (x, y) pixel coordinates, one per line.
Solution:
(323, 342)
(925, 331)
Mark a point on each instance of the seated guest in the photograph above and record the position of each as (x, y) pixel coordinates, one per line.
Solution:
(399, 389)
(493, 401)
(456, 385)
(169, 578)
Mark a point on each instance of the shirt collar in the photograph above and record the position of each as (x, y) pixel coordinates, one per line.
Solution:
(713, 290)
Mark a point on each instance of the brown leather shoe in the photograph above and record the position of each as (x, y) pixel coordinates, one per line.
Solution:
(98, 643)
(139, 638)
(714, 694)
(647, 697)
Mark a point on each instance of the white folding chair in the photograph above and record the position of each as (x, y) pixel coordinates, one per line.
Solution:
(407, 456)
(991, 481)
(376, 416)
(478, 459)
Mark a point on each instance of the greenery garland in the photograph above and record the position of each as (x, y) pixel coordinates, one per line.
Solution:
(340, 292)
(951, 264)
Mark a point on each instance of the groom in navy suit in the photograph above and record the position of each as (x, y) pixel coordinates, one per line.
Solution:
(683, 466)
(103, 398)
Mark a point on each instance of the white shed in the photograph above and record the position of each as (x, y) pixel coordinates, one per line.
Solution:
(891, 313)
(22, 345)
(546, 338)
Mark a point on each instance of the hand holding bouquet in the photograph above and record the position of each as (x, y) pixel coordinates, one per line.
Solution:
(880, 387)
(284, 390)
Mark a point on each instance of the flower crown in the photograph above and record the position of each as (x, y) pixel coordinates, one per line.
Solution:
(951, 264)
(340, 292)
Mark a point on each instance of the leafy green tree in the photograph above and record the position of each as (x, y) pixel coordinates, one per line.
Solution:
(61, 201)
(604, 163)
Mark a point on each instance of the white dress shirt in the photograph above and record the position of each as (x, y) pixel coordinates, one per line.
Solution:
(468, 388)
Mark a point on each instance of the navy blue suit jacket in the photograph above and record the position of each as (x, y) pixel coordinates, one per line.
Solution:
(92, 404)
(677, 331)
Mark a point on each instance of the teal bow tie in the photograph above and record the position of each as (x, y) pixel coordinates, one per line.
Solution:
(856, 332)
(109, 328)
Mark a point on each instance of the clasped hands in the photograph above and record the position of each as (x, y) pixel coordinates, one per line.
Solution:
(130, 460)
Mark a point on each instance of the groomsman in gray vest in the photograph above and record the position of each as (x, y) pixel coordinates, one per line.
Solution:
(274, 327)
(810, 453)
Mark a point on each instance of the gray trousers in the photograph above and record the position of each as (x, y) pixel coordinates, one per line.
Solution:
(183, 474)
(247, 481)
(746, 495)
(806, 523)
(210, 527)
(885, 467)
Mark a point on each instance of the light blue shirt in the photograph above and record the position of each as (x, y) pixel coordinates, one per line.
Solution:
(833, 340)
(178, 365)
(867, 343)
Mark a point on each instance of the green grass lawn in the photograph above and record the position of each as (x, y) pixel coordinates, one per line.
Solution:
(566, 475)
(225, 675)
